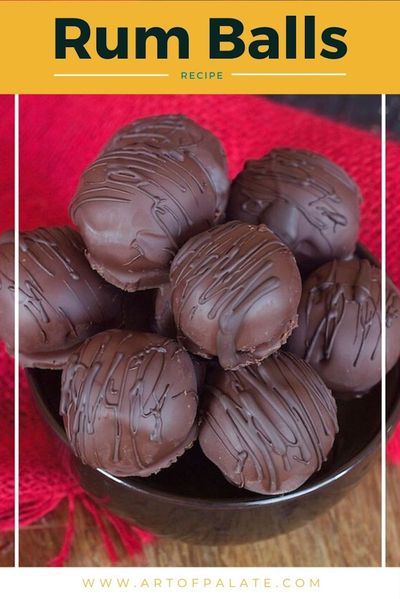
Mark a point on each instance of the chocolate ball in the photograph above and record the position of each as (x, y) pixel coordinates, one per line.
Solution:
(62, 300)
(129, 402)
(269, 427)
(137, 204)
(340, 326)
(235, 292)
(309, 202)
(180, 135)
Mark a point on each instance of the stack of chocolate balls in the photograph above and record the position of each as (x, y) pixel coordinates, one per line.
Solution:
(185, 308)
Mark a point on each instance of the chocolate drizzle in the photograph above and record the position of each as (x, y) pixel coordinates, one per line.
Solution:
(129, 402)
(44, 248)
(268, 427)
(62, 301)
(340, 326)
(309, 202)
(40, 250)
(225, 276)
(335, 295)
(392, 305)
(177, 136)
(142, 201)
(170, 132)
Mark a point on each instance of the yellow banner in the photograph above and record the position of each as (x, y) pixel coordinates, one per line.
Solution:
(200, 47)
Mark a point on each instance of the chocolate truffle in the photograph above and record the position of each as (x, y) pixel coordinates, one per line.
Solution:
(62, 300)
(137, 204)
(269, 427)
(129, 402)
(179, 135)
(340, 326)
(235, 292)
(309, 202)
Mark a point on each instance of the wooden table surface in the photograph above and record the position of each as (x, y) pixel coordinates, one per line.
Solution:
(393, 516)
(347, 535)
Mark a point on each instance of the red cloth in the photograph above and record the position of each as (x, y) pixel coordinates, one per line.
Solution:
(6, 364)
(6, 161)
(60, 135)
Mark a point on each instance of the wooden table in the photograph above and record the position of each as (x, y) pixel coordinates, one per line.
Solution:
(393, 516)
(347, 535)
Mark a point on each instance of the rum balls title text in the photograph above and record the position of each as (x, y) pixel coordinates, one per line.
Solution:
(226, 40)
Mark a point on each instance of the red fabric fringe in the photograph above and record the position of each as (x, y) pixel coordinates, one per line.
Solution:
(131, 537)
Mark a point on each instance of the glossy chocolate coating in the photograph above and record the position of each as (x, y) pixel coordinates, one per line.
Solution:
(309, 202)
(164, 324)
(62, 300)
(235, 292)
(180, 135)
(340, 326)
(137, 204)
(269, 427)
(129, 402)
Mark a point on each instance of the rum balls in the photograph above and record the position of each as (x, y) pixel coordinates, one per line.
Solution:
(235, 292)
(62, 301)
(340, 326)
(268, 427)
(309, 202)
(138, 203)
(178, 134)
(129, 402)
(152, 254)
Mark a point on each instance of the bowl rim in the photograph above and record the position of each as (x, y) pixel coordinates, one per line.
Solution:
(135, 484)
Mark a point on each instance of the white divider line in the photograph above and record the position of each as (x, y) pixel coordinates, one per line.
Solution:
(16, 331)
(288, 74)
(383, 340)
(110, 74)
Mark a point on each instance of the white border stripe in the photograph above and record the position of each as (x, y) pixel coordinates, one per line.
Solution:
(383, 340)
(16, 331)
